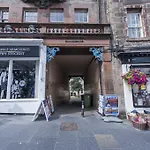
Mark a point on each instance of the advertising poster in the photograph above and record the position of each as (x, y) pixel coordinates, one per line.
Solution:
(111, 105)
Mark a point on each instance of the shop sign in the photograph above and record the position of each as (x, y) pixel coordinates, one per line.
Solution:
(19, 51)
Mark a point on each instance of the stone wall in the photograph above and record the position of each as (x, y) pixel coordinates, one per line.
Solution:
(57, 83)
(16, 8)
(92, 80)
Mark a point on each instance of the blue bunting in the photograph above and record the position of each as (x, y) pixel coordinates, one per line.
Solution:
(51, 52)
(97, 52)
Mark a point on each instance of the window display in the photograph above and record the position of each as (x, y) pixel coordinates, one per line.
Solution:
(4, 65)
(23, 79)
(141, 93)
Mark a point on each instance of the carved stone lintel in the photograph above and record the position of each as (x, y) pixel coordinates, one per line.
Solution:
(43, 3)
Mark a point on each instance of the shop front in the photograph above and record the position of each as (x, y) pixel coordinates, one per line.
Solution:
(137, 96)
(22, 75)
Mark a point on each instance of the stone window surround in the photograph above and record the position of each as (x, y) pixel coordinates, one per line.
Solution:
(144, 22)
(29, 10)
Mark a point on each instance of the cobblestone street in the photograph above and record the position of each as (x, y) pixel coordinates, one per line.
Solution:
(70, 131)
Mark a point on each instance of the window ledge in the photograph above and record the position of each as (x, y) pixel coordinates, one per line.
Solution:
(19, 100)
(143, 39)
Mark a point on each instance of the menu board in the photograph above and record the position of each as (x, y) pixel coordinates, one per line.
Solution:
(111, 105)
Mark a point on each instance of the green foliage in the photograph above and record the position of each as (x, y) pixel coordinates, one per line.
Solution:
(76, 84)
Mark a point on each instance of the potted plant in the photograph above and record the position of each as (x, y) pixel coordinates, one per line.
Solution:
(136, 77)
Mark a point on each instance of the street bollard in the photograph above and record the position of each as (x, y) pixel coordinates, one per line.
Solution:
(82, 109)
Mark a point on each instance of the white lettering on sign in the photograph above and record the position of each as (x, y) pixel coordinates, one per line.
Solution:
(14, 49)
(16, 53)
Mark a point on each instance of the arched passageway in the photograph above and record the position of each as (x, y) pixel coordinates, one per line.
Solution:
(72, 62)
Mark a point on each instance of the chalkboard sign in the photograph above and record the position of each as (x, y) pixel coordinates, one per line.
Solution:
(43, 106)
(50, 101)
(46, 110)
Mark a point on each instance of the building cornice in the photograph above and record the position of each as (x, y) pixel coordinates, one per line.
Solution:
(43, 4)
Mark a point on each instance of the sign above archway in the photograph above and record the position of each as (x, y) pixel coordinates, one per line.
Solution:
(43, 3)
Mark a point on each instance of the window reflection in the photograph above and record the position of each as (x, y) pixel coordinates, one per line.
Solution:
(23, 79)
(141, 94)
(3, 78)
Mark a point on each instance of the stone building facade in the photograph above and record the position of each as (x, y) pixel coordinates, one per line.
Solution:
(130, 22)
(73, 28)
(119, 27)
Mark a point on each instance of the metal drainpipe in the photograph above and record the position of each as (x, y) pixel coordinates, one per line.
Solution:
(100, 76)
(99, 12)
(100, 62)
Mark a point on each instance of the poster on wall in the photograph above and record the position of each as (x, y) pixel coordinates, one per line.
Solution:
(111, 105)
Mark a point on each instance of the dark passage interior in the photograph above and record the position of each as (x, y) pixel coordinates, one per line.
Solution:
(70, 62)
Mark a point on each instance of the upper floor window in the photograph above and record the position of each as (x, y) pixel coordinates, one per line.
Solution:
(30, 16)
(4, 15)
(81, 15)
(134, 24)
(57, 15)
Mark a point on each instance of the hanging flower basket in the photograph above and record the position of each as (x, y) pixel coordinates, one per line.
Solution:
(135, 77)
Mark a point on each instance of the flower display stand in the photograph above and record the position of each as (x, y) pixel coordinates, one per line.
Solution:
(139, 125)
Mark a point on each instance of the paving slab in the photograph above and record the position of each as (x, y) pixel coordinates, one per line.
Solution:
(106, 141)
(20, 133)
(87, 143)
(66, 146)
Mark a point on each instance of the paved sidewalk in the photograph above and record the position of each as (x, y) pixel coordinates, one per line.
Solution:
(70, 132)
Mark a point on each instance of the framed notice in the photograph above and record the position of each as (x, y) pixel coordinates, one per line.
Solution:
(111, 105)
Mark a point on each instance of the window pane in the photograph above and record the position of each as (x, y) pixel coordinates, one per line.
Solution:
(134, 25)
(81, 16)
(57, 16)
(4, 16)
(30, 16)
(23, 83)
(4, 65)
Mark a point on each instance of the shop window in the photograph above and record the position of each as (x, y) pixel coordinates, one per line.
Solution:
(4, 65)
(23, 80)
(141, 94)
(81, 15)
(57, 15)
(134, 24)
(30, 16)
(4, 15)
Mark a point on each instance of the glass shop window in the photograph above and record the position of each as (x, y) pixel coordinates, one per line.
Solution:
(4, 65)
(19, 81)
(141, 94)
(23, 80)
